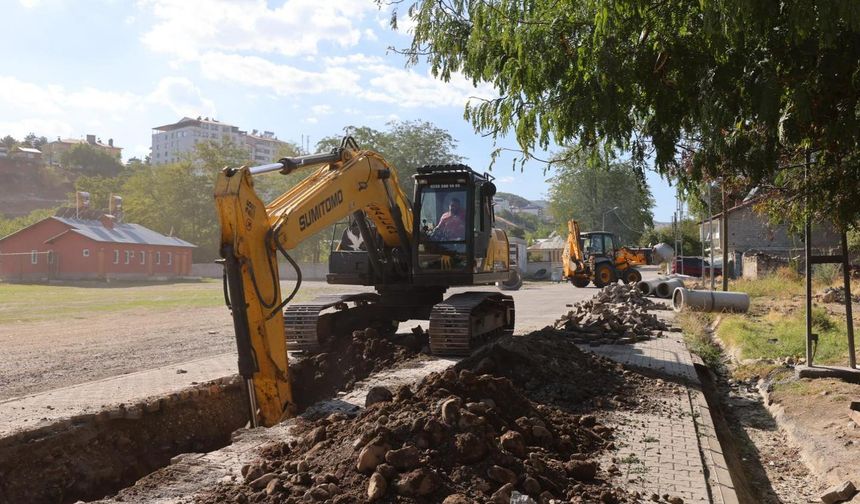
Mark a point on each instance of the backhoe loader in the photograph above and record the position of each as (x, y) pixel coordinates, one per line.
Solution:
(597, 257)
(410, 253)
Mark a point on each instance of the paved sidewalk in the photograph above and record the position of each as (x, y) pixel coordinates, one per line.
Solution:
(41, 409)
(676, 452)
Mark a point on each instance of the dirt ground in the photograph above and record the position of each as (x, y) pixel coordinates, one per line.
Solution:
(65, 350)
(39, 356)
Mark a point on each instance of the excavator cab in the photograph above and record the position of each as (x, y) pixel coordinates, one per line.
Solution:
(453, 228)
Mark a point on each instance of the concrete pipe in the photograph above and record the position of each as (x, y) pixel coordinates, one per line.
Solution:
(649, 287)
(666, 286)
(710, 301)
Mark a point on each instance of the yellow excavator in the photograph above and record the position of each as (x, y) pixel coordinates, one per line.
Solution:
(411, 253)
(598, 258)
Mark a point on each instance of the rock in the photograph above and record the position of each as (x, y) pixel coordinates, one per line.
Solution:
(387, 472)
(581, 470)
(302, 466)
(318, 493)
(501, 475)
(273, 486)
(262, 481)
(378, 394)
(317, 435)
(838, 493)
(418, 483)
(404, 393)
(470, 448)
(451, 410)
(655, 497)
(456, 499)
(503, 494)
(371, 455)
(587, 420)
(403, 459)
(541, 433)
(513, 442)
(376, 487)
(252, 472)
(531, 486)
(608, 497)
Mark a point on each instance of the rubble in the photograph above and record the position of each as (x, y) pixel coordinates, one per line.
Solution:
(459, 436)
(835, 295)
(616, 314)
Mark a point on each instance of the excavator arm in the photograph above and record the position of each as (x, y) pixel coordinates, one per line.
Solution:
(343, 182)
(573, 260)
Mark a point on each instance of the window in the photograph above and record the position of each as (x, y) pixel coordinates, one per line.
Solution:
(158, 257)
(142, 257)
(34, 257)
(86, 252)
(116, 256)
(127, 256)
(169, 258)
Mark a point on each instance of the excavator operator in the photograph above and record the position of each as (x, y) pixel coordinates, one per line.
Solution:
(452, 225)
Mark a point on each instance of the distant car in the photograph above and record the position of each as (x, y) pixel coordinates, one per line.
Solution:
(693, 267)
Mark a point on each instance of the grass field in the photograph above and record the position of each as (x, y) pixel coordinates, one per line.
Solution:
(30, 302)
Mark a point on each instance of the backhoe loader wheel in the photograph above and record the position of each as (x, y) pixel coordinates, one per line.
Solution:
(604, 275)
(579, 281)
(631, 276)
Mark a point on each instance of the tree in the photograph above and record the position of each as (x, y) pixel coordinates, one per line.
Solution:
(9, 142)
(406, 145)
(84, 159)
(592, 193)
(36, 142)
(9, 226)
(730, 90)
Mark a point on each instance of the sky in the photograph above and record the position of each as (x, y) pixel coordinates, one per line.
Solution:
(300, 68)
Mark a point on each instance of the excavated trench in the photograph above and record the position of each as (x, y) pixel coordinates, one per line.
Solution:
(92, 456)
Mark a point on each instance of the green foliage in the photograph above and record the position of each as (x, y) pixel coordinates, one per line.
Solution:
(587, 191)
(530, 227)
(729, 89)
(36, 142)
(9, 226)
(83, 159)
(8, 141)
(406, 145)
(691, 242)
(778, 335)
(100, 189)
(697, 336)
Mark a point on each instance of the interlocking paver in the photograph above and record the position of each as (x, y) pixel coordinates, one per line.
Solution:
(669, 453)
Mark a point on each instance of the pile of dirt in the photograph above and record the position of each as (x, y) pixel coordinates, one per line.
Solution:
(346, 360)
(460, 437)
(616, 314)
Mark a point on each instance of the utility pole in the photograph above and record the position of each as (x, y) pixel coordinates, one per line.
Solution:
(724, 238)
(711, 233)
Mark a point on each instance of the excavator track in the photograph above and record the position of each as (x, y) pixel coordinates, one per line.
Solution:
(465, 321)
(307, 327)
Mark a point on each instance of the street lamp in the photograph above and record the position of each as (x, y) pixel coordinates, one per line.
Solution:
(603, 225)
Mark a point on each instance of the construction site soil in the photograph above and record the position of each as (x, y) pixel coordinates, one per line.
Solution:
(517, 416)
(346, 360)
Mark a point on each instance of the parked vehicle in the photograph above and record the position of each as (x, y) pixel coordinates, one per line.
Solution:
(693, 266)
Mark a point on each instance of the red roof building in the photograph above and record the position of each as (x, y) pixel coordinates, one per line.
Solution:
(71, 248)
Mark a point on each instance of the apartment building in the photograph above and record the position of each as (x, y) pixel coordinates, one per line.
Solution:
(171, 141)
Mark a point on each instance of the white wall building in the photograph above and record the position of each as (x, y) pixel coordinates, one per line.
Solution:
(171, 141)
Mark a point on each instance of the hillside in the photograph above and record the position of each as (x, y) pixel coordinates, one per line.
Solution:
(27, 187)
